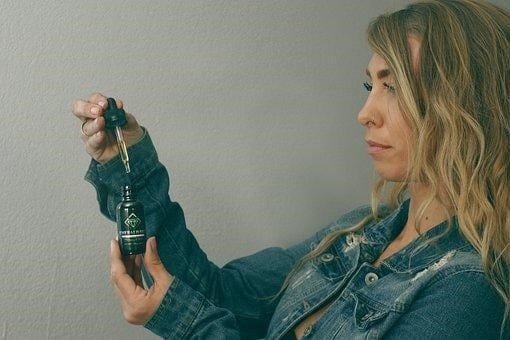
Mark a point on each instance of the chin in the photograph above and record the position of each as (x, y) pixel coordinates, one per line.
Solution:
(391, 175)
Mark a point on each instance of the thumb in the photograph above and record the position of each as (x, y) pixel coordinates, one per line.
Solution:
(153, 262)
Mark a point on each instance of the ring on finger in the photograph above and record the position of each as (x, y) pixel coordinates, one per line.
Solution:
(83, 130)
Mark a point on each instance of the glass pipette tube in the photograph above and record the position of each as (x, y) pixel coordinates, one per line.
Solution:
(121, 145)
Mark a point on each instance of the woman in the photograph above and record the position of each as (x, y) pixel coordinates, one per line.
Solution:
(431, 263)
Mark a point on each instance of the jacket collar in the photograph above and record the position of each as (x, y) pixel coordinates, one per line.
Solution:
(423, 251)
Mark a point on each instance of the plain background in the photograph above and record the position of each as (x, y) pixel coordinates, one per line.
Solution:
(251, 104)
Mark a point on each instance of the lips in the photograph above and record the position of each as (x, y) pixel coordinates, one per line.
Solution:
(374, 147)
(372, 143)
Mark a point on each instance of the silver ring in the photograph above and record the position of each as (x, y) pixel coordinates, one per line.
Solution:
(82, 130)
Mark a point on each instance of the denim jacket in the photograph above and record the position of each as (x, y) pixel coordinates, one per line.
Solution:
(424, 291)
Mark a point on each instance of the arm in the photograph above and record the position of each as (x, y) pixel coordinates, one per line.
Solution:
(462, 305)
(244, 287)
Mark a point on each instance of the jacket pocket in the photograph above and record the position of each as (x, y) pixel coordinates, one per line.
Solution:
(367, 312)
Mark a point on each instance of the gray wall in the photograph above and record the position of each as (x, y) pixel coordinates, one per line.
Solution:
(252, 106)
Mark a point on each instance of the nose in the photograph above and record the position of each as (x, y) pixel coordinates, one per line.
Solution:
(369, 113)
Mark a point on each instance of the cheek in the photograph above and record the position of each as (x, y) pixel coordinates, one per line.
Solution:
(400, 163)
(400, 132)
(394, 167)
(404, 149)
(407, 144)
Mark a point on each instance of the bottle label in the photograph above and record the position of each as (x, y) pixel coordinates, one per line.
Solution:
(132, 235)
(132, 221)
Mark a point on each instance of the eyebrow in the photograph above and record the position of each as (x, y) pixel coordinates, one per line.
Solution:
(380, 74)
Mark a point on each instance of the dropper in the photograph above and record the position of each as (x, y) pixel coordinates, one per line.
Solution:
(115, 118)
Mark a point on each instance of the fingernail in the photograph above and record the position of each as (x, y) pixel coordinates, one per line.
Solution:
(102, 103)
(153, 243)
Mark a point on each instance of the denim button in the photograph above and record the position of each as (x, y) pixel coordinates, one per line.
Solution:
(307, 331)
(327, 257)
(371, 278)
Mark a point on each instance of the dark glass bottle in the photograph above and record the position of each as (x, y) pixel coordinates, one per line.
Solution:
(130, 223)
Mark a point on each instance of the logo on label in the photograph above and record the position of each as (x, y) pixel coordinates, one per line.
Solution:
(132, 221)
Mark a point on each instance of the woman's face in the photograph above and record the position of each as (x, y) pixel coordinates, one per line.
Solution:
(387, 135)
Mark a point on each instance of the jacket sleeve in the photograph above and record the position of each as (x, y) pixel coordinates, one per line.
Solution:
(247, 287)
(462, 305)
(186, 314)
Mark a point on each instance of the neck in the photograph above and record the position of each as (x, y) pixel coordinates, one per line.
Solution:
(434, 214)
(416, 224)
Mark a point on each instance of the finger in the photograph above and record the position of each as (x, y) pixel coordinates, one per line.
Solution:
(118, 274)
(153, 262)
(99, 99)
(133, 265)
(98, 140)
(85, 110)
(90, 108)
(95, 144)
(91, 127)
(137, 277)
(118, 267)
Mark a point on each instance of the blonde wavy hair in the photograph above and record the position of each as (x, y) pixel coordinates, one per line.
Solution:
(457, 104)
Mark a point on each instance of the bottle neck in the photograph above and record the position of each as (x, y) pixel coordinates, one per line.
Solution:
(128, 194)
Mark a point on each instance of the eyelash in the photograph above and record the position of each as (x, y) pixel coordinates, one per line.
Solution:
(369, 86)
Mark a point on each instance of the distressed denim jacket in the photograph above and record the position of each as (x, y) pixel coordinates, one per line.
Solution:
(434, 291)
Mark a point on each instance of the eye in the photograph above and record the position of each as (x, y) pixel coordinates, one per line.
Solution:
(391, 88)
(367, 86)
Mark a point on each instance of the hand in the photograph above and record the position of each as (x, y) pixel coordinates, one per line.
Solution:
(138, 304)
(99, 143)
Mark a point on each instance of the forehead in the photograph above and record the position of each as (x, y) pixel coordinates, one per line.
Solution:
(377, 62)
(376, 65)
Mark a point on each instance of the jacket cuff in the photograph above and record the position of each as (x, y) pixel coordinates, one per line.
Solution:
(177, 311)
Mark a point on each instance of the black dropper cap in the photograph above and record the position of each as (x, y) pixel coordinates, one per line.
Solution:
(114, 116)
